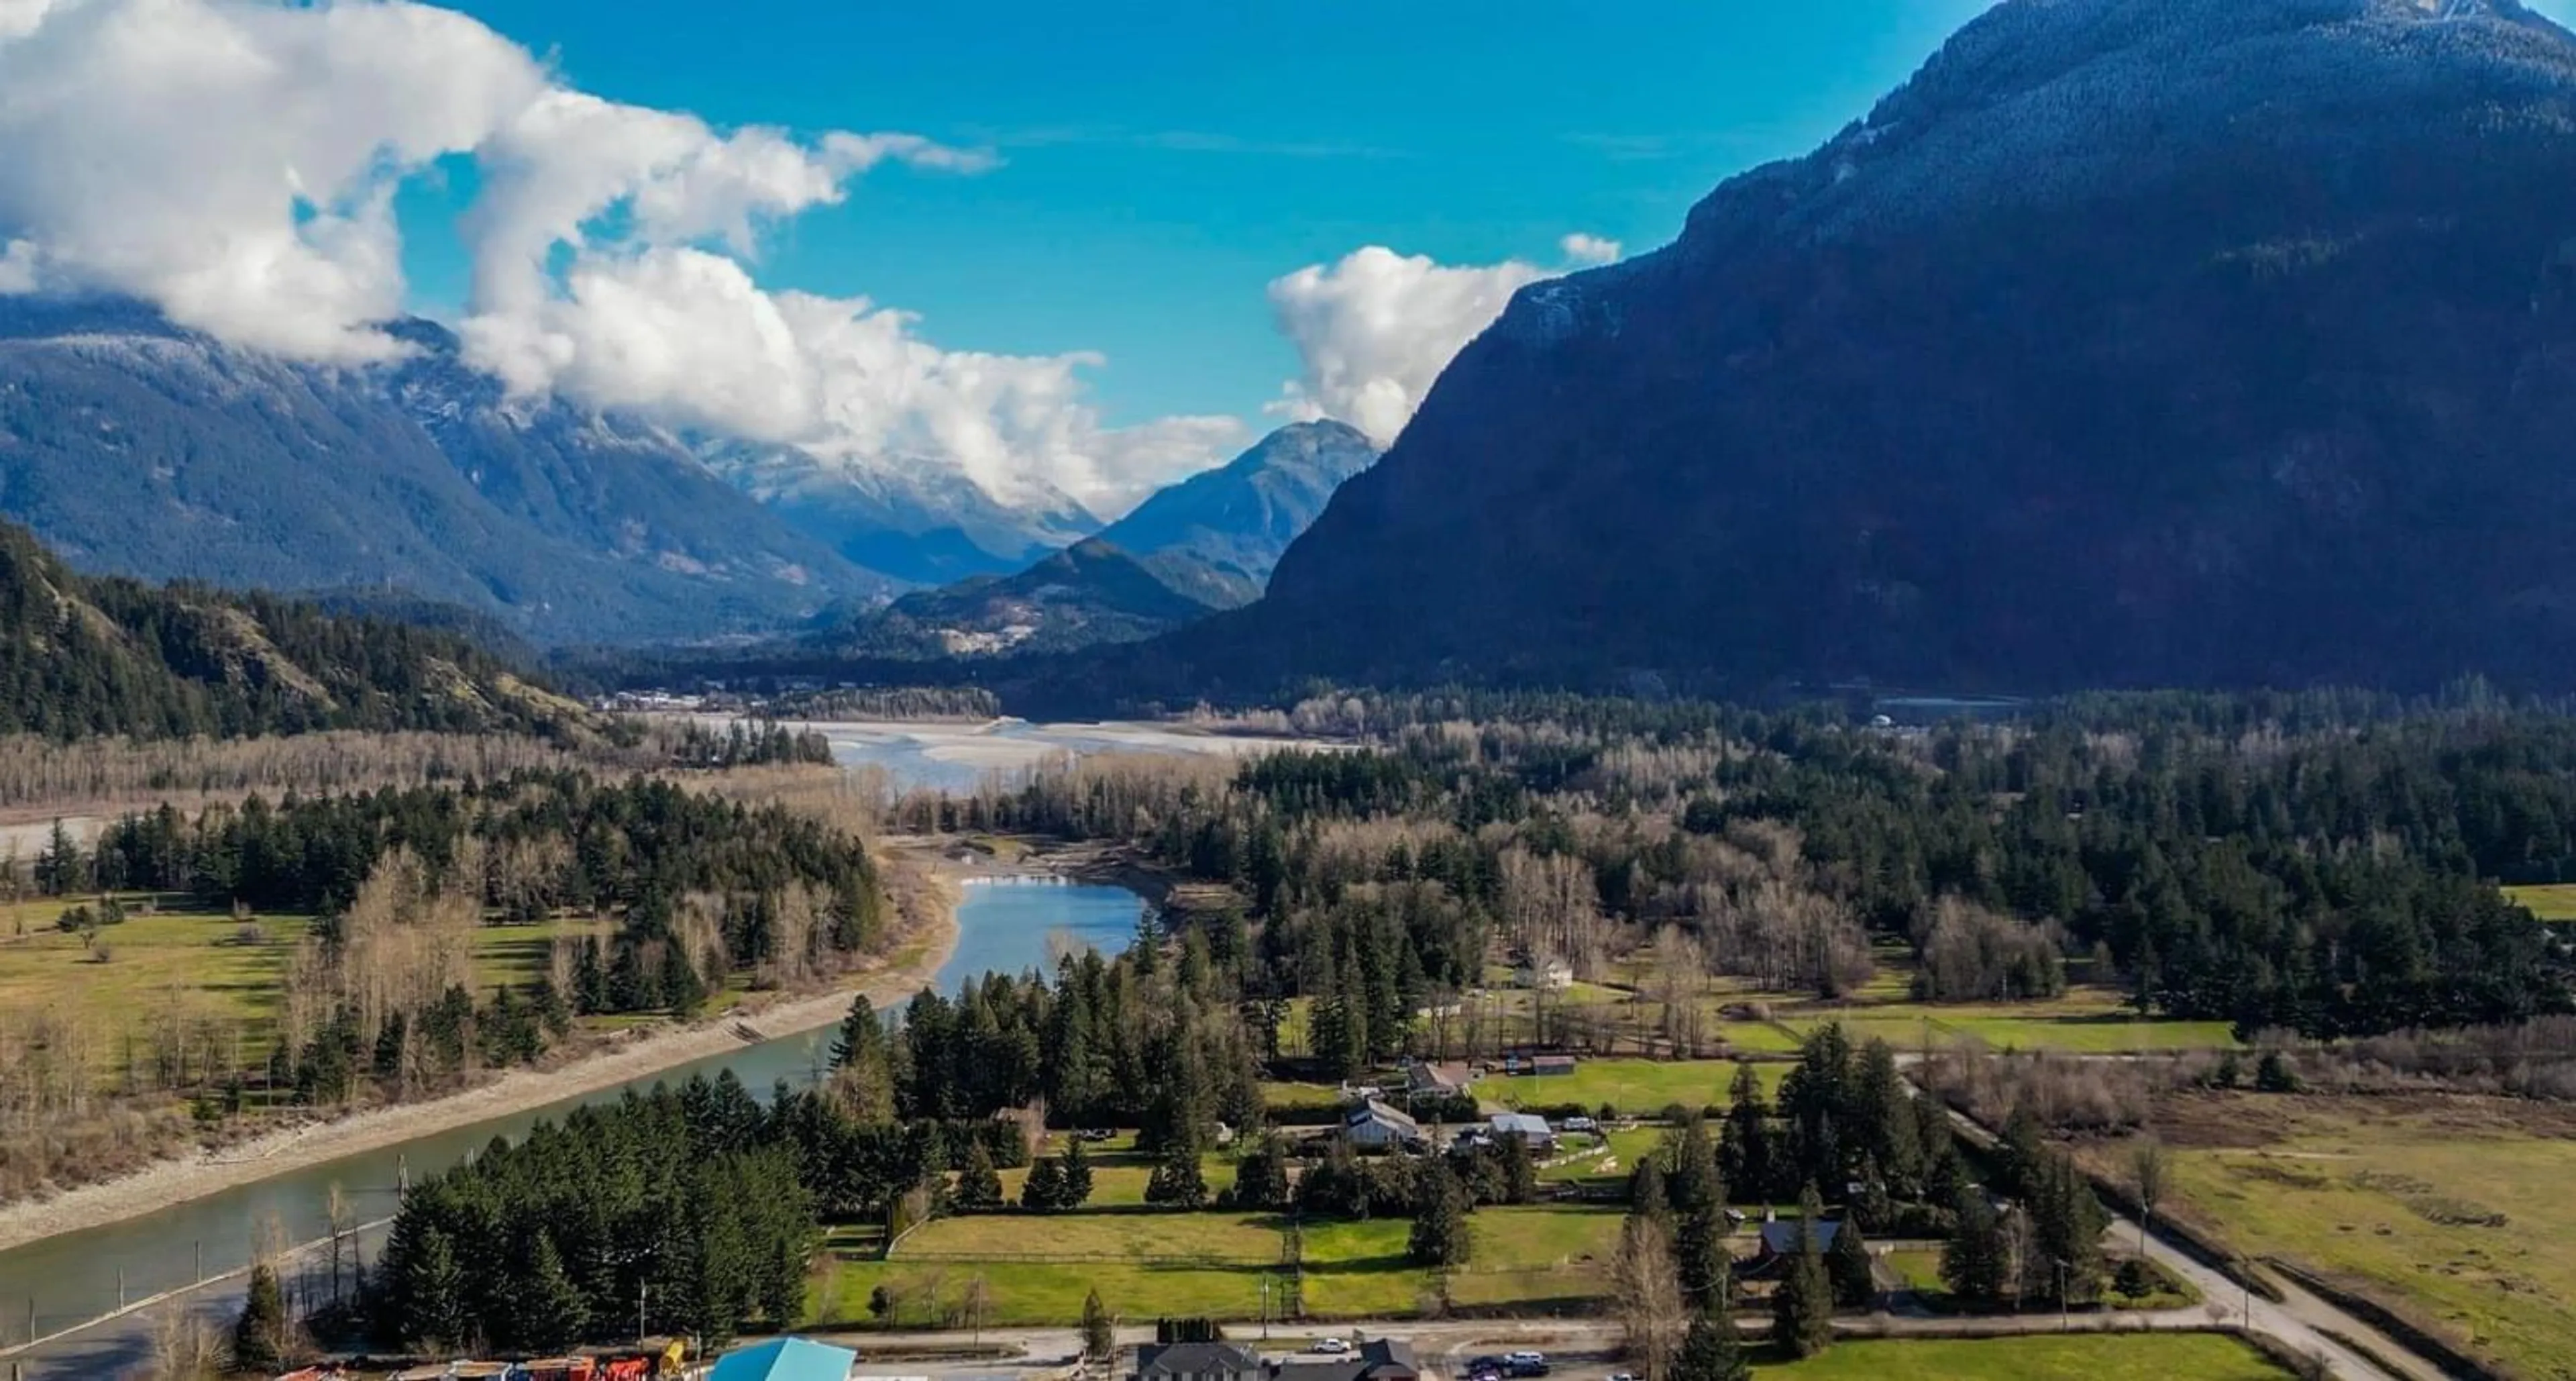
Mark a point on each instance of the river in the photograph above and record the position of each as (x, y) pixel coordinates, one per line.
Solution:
(1003, 923)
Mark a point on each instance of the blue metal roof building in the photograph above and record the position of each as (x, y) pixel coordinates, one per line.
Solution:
(786, 1359)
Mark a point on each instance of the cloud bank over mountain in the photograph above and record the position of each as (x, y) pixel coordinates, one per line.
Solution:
(234, 163)
(1374, 329)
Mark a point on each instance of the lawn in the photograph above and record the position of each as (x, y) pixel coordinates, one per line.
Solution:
(2554, 901)
(1589, 1159)
(2038, 1357)
(2451, 1211)
(1637, 1087)
(1037, 1270)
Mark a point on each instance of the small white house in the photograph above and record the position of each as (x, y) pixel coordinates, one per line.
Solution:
(1552, 975)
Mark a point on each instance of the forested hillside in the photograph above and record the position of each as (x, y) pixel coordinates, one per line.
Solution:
(82, 655)
(2322, 864)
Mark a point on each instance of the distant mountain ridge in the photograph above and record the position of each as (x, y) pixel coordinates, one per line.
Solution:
(1204, 544)
(140, 448)
(924, 524)
(1220, 533)
(2132, 342)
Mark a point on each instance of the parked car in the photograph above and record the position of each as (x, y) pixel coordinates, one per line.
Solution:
(1525, 1363)
(1623, 1376)
(1332, 1346)
(1584, 1124)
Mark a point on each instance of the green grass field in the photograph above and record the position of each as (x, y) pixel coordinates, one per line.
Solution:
(2086, 1021)
(2038, 1357)
(203, 964)
(1036, 1270)
(2550, 902)
(1636, 1087)
(2453, 1211)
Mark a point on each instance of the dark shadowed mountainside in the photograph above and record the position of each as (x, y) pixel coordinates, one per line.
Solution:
(141, 449)
(89, 655)
(2210, 342)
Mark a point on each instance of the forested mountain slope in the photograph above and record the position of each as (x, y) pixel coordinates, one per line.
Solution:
(84, 655)
(2213, 342)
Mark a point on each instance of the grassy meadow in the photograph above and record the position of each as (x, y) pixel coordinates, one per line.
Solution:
(169, 959)
(2550, 902)
(2452, 1211)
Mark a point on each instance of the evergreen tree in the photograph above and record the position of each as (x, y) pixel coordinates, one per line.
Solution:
(260, 1335)
(1875, 1209)
(1802, 1308)
(1178, 1181)
(1099, 1334)
(1847, 1264)
(979, 1186)
(1976, 1263)
(2066, 1223)
(1745, 1157)
(1440, 1235)
(1711, 1351)
(1695, 1182)
(1077, 1175)
(551, 1309)
(1044, 1190)
(863, 1062)
(1646, 1196)
(1701, 1257)
(1261, 1178)
(1519, 1171)
(431, 1293)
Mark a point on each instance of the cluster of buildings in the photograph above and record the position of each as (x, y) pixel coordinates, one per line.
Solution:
(780, 1359)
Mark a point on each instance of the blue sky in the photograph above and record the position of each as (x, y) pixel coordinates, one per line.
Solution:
(1063, 251)
(1161, 163)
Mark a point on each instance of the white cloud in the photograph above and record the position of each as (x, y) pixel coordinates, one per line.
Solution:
(1589, 250)
(233, 162)
(1374, 330)
(17, 267)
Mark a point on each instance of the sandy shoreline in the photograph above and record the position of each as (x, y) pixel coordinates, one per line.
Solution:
(637, 1055)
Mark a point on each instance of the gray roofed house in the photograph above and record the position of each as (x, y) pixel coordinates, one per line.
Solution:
(1376, 1125)
(1532, 1130)
(1198, 1362)
(1385, 1359)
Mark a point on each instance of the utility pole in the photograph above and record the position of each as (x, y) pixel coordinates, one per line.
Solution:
(2065, 1316)
(640, 1290)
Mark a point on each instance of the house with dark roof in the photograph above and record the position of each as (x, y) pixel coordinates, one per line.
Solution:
(1198, 1362)
(1427, 1080)
(1779, 1241)
(1386, 1359)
